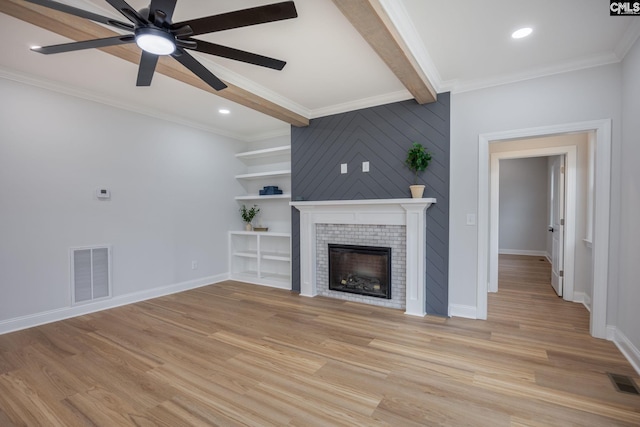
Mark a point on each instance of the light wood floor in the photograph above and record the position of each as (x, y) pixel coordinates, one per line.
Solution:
(237, 354)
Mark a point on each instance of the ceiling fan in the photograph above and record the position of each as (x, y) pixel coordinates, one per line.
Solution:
(155, 33)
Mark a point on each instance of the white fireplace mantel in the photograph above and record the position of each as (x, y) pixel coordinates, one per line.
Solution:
(407, 212)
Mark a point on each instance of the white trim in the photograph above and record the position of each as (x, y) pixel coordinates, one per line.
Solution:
(626, 347)
(582, 298)
(601, 224)
(570, 212)
(359, 104)
(24, 322)
(525, 252)
(399, 15)
(628, 39)
(467, 311)
(65, 89)
(407, 212)
(597, 60)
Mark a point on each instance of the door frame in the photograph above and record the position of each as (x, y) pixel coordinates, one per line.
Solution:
(600, 248)
(570, 151)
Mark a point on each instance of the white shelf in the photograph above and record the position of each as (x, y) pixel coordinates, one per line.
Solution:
(260, 257)
(276, 256)
(261, 233)
(246, 254)
(266, 153)
(262, 175)
(267, 197)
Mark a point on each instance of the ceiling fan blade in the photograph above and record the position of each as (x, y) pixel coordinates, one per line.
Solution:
(183, 31)
(187, 43)
(88, 44)
(82, 13)
(198, 69)
(241, 18)
(238, 55)
(166, 7)
(129, 12)
(147, 67)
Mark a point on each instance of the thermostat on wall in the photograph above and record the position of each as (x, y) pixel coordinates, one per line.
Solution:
(103, 194)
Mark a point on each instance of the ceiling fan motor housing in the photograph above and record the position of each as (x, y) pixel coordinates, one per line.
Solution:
(155, 40)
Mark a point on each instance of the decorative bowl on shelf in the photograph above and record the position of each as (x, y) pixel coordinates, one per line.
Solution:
(260, 228)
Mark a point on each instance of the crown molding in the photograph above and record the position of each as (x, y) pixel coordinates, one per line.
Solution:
(359, 104)
(400, 17)
(236, 79)
(64, 89)
(628, 39)
(460, 86)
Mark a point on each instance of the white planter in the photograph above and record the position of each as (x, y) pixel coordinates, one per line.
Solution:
(417, 191)
(248, 227)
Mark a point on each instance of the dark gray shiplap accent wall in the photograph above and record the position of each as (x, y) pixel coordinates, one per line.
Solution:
(380, 135)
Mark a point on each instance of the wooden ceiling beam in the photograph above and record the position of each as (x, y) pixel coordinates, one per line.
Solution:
(375, 26)
(78, 29)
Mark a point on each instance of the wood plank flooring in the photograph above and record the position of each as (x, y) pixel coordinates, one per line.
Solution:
(237, 354)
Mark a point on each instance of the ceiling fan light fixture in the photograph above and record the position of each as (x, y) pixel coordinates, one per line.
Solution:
(155, 41)
(521, 33)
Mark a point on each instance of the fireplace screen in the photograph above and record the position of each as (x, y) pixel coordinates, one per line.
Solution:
(364, 270)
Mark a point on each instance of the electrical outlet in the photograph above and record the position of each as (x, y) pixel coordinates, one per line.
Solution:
(194, 265)
(343, 168)
(365, 166)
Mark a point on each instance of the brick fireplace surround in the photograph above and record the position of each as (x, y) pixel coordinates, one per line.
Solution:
(409, 213)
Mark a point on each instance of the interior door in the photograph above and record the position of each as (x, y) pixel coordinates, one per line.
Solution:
(557, 223)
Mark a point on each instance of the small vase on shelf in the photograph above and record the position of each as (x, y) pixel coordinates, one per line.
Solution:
(248, 215)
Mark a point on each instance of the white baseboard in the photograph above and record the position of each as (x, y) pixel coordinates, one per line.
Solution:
(29, 321)
(582, 298)
(626, 347)
(522, 252)
(467, 311)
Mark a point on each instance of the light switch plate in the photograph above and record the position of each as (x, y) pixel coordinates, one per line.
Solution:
(343, 168)
(365, 166)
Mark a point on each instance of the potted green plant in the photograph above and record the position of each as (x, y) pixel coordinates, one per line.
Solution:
(417, 160)
(248, 215)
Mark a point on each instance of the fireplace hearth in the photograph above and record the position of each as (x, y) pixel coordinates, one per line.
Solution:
(363, 270)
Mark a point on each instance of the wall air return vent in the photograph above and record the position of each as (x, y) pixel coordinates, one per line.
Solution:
(90, 273)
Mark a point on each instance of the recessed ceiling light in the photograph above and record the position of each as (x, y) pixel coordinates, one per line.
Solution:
(522, 32)
(224, 111)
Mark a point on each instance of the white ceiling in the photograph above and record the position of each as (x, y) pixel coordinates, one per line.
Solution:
(461, 45)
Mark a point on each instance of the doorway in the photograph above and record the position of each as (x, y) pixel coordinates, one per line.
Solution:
(600, 249)
(567, 252)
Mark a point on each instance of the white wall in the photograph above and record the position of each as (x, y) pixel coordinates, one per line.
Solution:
(590, 94)
(628, 263)
(523, 205)
(172, 198)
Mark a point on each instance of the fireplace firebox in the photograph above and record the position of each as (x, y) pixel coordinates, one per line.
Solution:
(364, 270)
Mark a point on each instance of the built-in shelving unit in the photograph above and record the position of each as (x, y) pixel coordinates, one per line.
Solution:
(262, 258)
